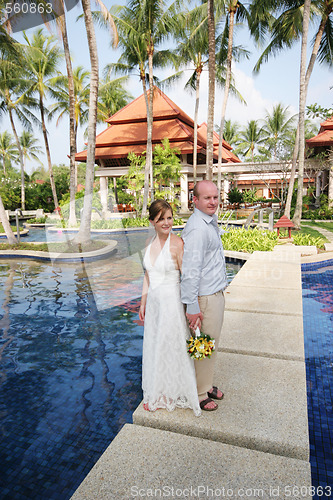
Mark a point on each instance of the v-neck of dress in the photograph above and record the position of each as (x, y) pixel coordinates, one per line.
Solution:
(162, 249)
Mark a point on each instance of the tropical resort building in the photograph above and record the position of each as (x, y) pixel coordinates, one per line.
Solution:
(127, 131)
(321, 145)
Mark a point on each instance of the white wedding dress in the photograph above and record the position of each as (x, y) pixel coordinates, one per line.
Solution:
(168, 375)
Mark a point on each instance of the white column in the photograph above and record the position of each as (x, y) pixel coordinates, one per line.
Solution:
(318, 182)
(184, 193)
(226, 187)
(104, 193)
(330, 185)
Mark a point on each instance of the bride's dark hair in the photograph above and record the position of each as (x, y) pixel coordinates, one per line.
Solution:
(158, 207)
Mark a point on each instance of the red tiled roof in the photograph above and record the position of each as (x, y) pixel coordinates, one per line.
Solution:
(136, 133)
(325, 136)
(123, 150)
(163, 108)
(127, 131)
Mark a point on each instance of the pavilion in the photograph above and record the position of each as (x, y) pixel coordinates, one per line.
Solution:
(127, 131)
(323, 142)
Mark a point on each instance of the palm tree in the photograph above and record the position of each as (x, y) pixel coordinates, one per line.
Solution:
(211, 88)
(112, 97)
(8, 149)
(250, 138)
(231, 133)
(42, 57)
(192, 49)
(277, 126)
(15, 100)
(133, 58)
(285, 30)
(301, 114)
(234, 8)
(84, 231)
(81, 98)
(30, 149)
(61, 23)
(142, 26)
(62, 107)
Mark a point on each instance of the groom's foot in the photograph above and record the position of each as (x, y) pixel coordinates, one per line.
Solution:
(208, 404)
(215, 393)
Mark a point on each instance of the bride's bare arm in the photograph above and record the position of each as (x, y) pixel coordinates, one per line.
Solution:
(177, 250)
(145, 286)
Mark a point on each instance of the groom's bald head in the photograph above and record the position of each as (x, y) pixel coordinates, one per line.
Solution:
(205, 197)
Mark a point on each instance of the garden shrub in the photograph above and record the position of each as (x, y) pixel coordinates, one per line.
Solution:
(243, 240)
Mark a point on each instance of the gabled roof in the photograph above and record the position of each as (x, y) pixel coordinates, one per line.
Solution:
(325, 136)
(163, 108)
(127, 131)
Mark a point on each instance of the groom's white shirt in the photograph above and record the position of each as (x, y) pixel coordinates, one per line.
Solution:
(203, 269)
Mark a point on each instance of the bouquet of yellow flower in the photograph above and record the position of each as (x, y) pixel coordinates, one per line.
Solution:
(200, 345)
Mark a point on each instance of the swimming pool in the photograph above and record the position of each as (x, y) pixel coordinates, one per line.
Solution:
(70, 366)
(317, 285)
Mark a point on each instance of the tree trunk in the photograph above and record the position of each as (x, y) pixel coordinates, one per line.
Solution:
(225, 98)
(302, 102)
(85, 227)
(307, 79)
(72, 132)
(48, 154)
(147, 166)
(196, 112)
(5, 222)
(292, 175)
(211, 89)
(149, 153)
(18, 145)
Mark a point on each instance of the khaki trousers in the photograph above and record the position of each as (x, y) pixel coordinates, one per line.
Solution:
(212, 308)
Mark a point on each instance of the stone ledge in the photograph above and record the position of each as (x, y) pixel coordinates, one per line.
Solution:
(264, 408)
(60, 257)
(143, 462)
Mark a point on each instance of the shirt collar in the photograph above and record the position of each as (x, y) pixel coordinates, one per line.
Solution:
(207, 218)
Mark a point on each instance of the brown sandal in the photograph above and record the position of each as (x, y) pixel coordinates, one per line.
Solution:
(213, 394)
(204, 402)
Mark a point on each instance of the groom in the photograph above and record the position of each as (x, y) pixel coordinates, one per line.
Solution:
(203, 281)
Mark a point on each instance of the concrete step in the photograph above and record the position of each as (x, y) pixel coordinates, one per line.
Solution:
(282, 275)
(269, 335)
(143, 462)
(263, 300)
(264, 408)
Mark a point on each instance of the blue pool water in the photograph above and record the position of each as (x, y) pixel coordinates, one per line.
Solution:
(70, 366)
(317, 285)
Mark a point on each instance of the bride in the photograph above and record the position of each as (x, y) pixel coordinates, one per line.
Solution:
(168, 375)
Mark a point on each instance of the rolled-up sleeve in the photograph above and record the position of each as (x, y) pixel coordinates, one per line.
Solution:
(191, 271)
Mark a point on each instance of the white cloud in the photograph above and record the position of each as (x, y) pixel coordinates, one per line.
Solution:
(256, 105)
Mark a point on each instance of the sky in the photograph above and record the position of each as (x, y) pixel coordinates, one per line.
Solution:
(277, 82)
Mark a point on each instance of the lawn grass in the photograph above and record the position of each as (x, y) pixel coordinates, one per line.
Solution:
(311, 231)
(323, 225)
(65, 247)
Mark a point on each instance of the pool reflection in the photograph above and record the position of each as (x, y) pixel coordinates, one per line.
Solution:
(70, 368)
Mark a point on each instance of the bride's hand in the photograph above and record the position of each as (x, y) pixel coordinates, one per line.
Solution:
(194, 320)
(142, 312)
(197, 324)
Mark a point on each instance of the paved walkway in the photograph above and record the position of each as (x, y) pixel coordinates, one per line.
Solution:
(328, 235)
(256, 444)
